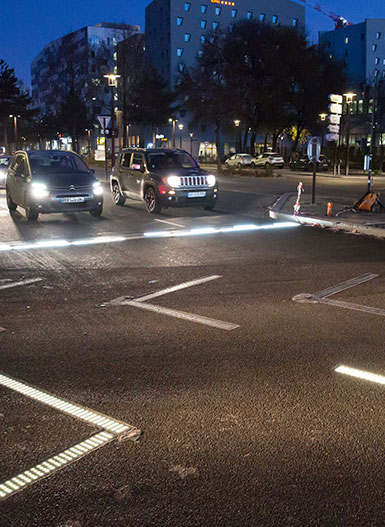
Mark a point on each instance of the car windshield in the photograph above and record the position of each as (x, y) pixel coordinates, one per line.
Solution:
(56, 163)
(275, 155)
(4, 161)
(170, 160)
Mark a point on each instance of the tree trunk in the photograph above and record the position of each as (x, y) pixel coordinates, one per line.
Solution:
(252, 143)
(245, 136)
(265, 142)
(275, 141)
(217, 143)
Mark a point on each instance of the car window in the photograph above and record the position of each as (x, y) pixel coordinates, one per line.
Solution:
(125, 159)
(18, 163)
(56, 163)
(4, 161)
(137, 161)
(170, 160)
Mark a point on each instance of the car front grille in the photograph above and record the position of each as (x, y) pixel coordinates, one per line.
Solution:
(84, 191)
(193, 181)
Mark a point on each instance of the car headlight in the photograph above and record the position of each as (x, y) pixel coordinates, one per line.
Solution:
(211, 180)
(39, 190)
(97, 189)
(173, 181)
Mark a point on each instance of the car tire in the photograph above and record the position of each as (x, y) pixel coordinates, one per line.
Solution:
(239, 165)
(253, 165)
(31, 213)
(96, 213)
(267, 165)
(117, 197)
(151, 200)
(10, 204)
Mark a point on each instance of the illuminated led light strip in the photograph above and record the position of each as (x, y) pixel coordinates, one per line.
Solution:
(91, 417)
(360, 374)
(53, 464)
(57, 244)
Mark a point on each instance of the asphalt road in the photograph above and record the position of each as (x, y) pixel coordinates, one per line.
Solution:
(247, 425)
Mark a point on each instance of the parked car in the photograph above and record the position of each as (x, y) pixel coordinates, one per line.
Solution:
(4, 164)
(162, 178)
(304, 163)
(239, 160)
(272, 159)
(44, 181)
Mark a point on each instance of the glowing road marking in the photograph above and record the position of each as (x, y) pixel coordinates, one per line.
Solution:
(141, 303)
(60, 244)
(360, 374)
(111, 429)
(170, 223)
(27, 281)
(322, 296)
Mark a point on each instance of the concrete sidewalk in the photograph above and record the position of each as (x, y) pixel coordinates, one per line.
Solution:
(343, 217)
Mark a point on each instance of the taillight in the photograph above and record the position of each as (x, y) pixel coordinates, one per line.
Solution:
(162, 189)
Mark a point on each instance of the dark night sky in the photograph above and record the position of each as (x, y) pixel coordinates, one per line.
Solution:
(26, 26)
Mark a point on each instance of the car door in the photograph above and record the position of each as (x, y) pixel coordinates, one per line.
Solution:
(123, 168)
(136, 174)
(17, 179)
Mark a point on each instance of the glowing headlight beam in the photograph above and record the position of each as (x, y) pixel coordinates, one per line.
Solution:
(360, 374)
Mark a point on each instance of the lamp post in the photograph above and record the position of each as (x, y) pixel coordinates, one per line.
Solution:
(191, 141)
(128, 128)
(173, 121)
(237, 123)
(88, 142)
(349, 99)
(112, 83)
(323, 117)
(15, 117)
(180, 126)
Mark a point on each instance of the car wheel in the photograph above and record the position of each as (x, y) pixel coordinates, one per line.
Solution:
(117, 197)
(267, 165)
(253, 165)
(10, 204)
(152, 202)
(31, 213)
(97, 212)
(239, 165)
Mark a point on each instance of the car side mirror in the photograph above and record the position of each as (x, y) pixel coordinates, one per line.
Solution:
(92, 171)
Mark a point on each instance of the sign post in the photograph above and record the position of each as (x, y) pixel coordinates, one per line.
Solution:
(104, 121)
(313, 152)
(335, 109)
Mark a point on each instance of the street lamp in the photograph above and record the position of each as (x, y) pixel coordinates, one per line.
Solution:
(191, 141)
(112, 77)
(180, 126)
(237, 123)
(349, 99)
(173, 121)
(15, 117)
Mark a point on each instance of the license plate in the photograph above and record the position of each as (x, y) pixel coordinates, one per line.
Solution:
(73, 200)
(196, 194)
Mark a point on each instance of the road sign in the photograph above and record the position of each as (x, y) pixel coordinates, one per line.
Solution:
(334, 119)
(333, 97)
(314, 149)
(334, 128)
(335, 108)
(332, 137)
(104, 121)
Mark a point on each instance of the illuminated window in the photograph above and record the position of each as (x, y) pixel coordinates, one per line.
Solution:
(262, 17)
(231, 27)
(377, 60)
(203, 9)
(218, 10)
(179, 52)
(295, 22)
(234, 13)
(346, 40)
(187, 6)
(374, 47)
(249, 15)
(376, 72)
(203, 24)
(383, 62)
(179, 21)
(187, 37)
(200, 53)
(181, 67)
(378, 36)
(95, 40)
(215, 25)
(383, 74)
(115, 56)
(203, 39)
(274, 19)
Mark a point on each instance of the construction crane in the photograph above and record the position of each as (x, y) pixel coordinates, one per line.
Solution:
(338, 19)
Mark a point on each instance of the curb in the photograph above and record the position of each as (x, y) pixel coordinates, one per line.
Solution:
(316, 221)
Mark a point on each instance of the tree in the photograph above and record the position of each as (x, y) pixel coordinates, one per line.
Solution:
(73, 118)
(13, 101)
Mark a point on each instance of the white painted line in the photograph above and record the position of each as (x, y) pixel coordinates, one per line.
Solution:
(53, 464)
(22, 282)
(360, 374)
(178, 287)
(353, 307)
(345, 285)
(75, 410)
(184, 316)
(2, 329)
(170, 223)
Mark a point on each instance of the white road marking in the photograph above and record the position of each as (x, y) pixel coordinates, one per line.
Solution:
(360, 374)
(227, 326)
(322, 296)
(178, 287)
(111, 429)
(170, 223)
(2, 329)
(27, 281)
(141, 303)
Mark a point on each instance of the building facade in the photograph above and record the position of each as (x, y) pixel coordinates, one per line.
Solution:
(78, 60)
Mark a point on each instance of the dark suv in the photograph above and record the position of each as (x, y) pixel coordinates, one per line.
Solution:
(44, 181)
(162, 178)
